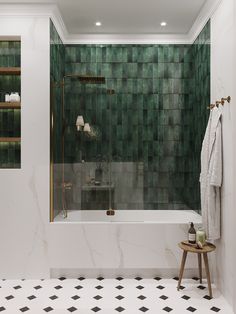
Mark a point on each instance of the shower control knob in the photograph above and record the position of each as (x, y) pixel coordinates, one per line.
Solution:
(110, 212)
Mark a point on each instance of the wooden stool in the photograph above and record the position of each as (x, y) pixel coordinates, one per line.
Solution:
(206, 248)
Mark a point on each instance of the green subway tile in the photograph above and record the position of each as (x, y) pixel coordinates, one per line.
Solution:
(117, 70)
(147, 70)
(148, 54)
(132, 70)
(161, 54)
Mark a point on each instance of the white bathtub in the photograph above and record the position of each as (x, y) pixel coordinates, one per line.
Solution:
(131, 216)
(142, 242)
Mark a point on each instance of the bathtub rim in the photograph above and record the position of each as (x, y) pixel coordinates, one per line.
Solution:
(195, 217)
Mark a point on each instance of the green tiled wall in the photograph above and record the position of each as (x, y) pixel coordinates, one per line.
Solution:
(152, 84)
(201, 80)
(158, 114)
(57, 64)
(10, 120)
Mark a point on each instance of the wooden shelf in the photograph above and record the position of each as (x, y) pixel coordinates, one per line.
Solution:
(10, 71)
(10, 139)
(10, 105)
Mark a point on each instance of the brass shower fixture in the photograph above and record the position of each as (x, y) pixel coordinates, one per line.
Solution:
(87, 79)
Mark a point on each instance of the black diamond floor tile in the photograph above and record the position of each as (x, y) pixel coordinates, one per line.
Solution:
(167, 309)
(72, 309)
(99, 287)
(81, 278)
(17, 287)
(157, 278)
(140, 287)
(78, 287)
(138, 278)
(48, 309)
(215, 309)
(53, 297)
(119, 287)
(31, 297)
(119, 297)
(185, 297)
(143, 309)
(163, 297)
(2, 308)
(160, 287)
(141, 297)
(24, 309)
(97, 297)
(58, 287)
(201, 287)
(62, 278)
(181, 287)
(207, 297)
(9, 297)
(38, 287)
(100, 278)
(191, 309)
(119, 278)
(195, 278)
(119, 309)
(75, 297)
(176, 278)
(96, 309)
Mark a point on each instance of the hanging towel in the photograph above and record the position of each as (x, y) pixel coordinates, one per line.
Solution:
(211, 175)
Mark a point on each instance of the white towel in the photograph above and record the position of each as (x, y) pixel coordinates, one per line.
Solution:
(211, 175)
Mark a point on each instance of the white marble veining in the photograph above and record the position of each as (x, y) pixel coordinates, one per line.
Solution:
(137, 240)
(24, 192)
(223, 77)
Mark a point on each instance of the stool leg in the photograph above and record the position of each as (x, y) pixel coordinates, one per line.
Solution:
(200, 266)
(182, 268)
(207, 273)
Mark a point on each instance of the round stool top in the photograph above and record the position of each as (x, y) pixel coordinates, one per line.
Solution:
(208, 247)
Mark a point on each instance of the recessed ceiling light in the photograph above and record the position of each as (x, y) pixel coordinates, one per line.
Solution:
(163, 23)
(98, 24)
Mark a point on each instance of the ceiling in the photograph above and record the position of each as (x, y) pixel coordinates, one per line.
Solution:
(126, 16)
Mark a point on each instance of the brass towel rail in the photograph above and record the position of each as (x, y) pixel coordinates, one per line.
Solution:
(218, 102)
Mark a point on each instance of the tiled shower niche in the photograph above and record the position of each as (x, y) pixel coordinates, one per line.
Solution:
(10, 112)
(157, 115)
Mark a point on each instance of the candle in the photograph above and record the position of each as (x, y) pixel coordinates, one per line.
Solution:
(201, 236)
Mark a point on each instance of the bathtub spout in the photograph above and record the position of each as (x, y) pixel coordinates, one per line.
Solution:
(110, 212)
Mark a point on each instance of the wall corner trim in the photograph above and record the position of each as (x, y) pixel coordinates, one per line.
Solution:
(205, 14)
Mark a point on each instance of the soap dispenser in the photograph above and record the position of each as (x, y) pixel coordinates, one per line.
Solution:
(192, 234)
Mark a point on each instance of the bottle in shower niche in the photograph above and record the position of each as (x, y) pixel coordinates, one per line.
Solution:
(192, 234)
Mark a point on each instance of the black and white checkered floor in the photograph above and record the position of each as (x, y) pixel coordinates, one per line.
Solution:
(101, 295)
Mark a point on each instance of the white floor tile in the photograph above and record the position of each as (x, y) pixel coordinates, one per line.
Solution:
(108, 296)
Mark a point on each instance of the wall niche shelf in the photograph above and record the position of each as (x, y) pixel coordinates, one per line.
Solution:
(10, 139)
(10, 112)
(10, 105)
(10, 71)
